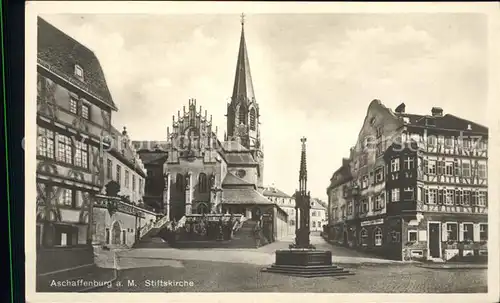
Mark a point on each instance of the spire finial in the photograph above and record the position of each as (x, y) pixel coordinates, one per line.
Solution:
(242, 19)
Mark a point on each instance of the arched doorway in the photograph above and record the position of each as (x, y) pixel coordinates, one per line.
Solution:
(116, 232)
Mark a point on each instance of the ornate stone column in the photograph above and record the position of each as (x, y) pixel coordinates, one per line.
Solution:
(189, 193)
(166, 195)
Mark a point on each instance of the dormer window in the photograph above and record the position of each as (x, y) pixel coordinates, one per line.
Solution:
(469, 127)
(406, 120)
(79, 71)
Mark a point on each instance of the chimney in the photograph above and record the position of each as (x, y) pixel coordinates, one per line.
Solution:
(437, 112)
(400, 109)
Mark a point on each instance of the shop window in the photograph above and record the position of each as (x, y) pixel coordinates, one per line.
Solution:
(412, 235)
(483, 232)
(377, 236)
(452, 231)
(468, 232)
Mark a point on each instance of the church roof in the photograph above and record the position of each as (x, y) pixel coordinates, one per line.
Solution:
(274, 192)
(60, 53)
(233, 146)
(239, 159)
(231, 179)
(243, 196)
(243, 86)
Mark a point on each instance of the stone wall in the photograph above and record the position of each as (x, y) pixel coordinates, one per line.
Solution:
(126, 223)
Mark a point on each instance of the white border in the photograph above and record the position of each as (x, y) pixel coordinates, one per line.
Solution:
(34, 8)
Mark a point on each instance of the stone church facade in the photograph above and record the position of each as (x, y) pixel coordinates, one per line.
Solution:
(203, 174)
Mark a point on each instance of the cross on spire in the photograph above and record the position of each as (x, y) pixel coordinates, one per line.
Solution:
(242, 20)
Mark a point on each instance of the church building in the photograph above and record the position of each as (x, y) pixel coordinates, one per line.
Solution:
(204, 175)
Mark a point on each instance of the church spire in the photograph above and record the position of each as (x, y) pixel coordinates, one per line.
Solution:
(243, 86)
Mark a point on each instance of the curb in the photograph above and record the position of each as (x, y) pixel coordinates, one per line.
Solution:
(452, 267)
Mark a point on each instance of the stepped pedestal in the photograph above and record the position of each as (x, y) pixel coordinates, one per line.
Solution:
(306, 263)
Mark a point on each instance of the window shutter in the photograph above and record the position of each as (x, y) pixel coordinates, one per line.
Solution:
(461, 232)
(444, 232)
(476, 233)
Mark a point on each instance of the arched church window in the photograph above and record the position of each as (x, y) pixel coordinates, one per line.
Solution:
(252, 119)
(242, 117)
(203, 183)
(179, 183)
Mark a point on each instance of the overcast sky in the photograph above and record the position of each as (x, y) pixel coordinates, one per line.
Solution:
(314, 75)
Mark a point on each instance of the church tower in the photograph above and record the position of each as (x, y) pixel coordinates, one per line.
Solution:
(243, 110)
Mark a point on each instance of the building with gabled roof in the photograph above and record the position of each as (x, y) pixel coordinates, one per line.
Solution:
(79, 153)
(202, 174)
(416, 186)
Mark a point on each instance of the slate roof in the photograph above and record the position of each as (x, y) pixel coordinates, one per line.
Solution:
(61, 52)
(239, 158)
(447, 121)
(243, 196)
(152, 157)
(274, 192)
(243, 86)
(232, 180)
(233, 146)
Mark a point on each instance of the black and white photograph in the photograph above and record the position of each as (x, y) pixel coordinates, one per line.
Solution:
(264, 148)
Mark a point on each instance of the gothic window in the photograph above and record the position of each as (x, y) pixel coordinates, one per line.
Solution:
(203, 183)
(241, 115)
(179, 183)
(252, 119)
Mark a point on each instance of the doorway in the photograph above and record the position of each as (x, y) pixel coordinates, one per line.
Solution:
(434, 240)
(346, 239)
(116, 231)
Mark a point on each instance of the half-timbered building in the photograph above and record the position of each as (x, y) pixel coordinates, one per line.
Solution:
(418, 188)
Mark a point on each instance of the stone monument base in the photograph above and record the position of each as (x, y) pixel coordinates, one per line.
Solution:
(307, 263)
